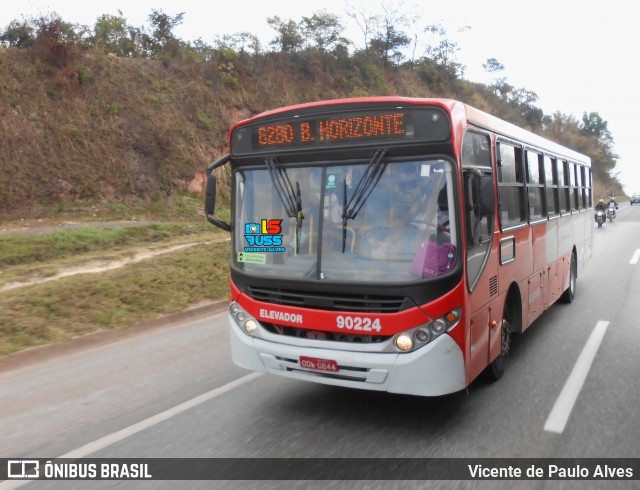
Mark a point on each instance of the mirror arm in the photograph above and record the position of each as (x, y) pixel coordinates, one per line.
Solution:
(218, 163)
(219, 223)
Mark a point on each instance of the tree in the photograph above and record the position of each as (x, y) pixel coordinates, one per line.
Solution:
(388, 41)
(594, 125)
(289, 38)
(324, 29)
(114, 35)
(368, 24)
(591, 137)
(492, 65)
(162, 38)
(17, 35)
(240, 42)
(443, 50)
(56, 40)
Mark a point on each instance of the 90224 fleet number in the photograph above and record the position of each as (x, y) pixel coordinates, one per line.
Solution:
(358, 323)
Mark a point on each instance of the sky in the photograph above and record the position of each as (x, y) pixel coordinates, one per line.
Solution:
(577, 56)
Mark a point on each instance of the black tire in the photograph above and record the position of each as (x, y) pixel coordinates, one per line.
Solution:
(599, 224)
(570, 292)
(496, 369)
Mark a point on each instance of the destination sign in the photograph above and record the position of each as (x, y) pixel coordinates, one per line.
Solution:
(340, 128)
(353, 128)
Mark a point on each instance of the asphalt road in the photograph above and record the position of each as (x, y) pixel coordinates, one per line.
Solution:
(104, 401)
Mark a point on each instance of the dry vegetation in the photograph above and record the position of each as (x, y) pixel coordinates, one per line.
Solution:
(137, 119)
(126, 129)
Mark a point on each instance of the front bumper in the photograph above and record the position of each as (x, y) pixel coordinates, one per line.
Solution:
(433, 370)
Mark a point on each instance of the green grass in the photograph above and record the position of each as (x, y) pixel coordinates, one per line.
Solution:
(180, 206)
(62, 309)
(29, 249)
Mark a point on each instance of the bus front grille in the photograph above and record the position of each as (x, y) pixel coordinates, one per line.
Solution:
(310, 333)
(362, 303)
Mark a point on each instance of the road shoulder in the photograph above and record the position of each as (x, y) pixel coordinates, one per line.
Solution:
(45, 353)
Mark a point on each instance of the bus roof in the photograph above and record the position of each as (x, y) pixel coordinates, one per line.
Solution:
(473, 116)
(486, 121)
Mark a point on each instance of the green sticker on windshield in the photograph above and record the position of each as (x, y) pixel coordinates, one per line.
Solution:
(252, 258)
(331, 181)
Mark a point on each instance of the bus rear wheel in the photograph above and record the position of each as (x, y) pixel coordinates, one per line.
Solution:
(570, 292)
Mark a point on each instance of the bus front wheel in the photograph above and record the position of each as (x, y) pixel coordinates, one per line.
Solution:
(497, 367)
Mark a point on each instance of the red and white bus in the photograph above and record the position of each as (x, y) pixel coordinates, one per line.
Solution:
(396, 244)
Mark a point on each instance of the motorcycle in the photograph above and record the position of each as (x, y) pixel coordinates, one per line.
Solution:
(611, 213)
(600, 218)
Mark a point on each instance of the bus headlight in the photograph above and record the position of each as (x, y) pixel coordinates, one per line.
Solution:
(420, 336)
(250, 326)
(243, 319)
(438, 326)
(404, 343)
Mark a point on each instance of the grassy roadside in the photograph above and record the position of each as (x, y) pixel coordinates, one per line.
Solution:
(62, 309)
(27, 249)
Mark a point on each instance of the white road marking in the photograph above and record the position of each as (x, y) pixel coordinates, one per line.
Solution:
(103, 442)
(118, 436)
(559, 415)
(635, 258)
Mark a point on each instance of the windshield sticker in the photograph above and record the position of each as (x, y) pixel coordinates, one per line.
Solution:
(252, 258)
(265, 236)
(331, 181)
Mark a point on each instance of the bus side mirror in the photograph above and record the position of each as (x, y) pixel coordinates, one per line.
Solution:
(210, 197)
(487, 196)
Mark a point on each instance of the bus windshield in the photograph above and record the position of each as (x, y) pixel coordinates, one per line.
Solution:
(362, 222)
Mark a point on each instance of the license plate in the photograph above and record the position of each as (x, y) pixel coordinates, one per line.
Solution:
(319, 364)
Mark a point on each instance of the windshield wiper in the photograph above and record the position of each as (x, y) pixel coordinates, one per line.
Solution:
(291, 200)
(363, 190)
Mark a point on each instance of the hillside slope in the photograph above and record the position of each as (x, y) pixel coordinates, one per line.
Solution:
(102, 127)
(108, 127)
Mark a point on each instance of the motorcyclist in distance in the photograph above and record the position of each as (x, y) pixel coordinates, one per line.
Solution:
(601, 206)
(613, 204)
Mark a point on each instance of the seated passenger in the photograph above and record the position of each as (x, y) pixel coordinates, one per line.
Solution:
(433, 259)
(436, 256)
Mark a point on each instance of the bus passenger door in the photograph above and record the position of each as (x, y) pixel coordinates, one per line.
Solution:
(481, 263)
